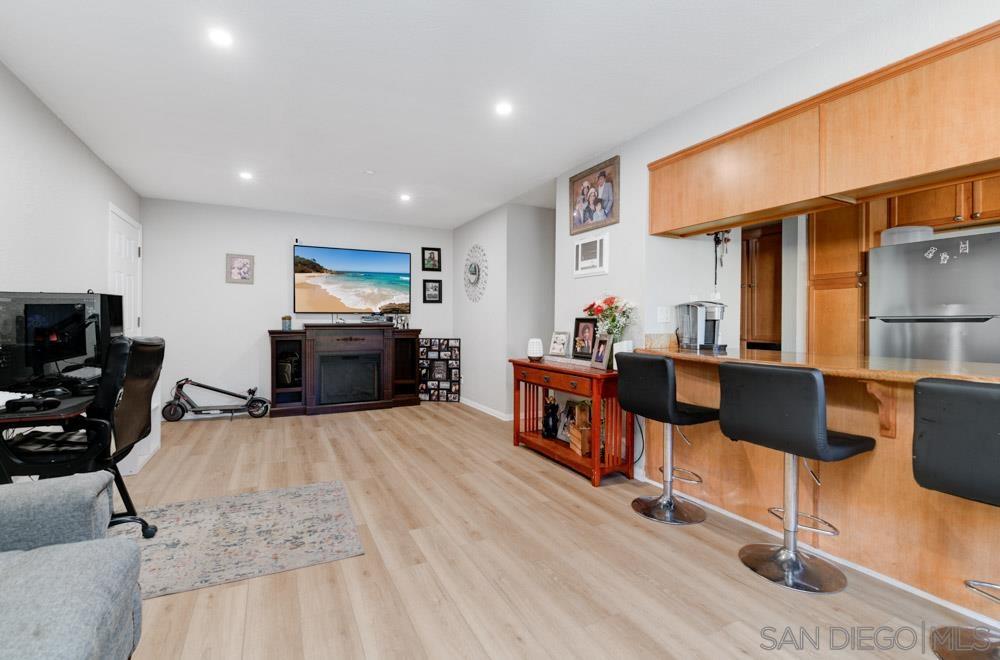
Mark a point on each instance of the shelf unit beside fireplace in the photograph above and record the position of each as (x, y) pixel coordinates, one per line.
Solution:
(383, 362)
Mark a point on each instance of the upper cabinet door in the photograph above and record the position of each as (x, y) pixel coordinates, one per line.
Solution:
(986, 199)
(836, 243)
(933, 208)
(940, 115)
(766, 168)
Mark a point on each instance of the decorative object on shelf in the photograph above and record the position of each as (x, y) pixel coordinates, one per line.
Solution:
(590, 256)
(474, 273)
(239, 268)
(550, 420)
(601, 357)
(592, 200)
(621, 347)
(584, 332)
(613, 314)
(430, 258)
(557, 346)
(432, 291)
(440, 368)
(286, 323)
(535, 350)
(578, 431)
(377, 317)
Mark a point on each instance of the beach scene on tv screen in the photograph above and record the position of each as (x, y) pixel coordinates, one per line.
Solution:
(340, 281)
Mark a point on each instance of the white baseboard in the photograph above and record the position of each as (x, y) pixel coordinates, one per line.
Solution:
(964, 611)
(507, 417)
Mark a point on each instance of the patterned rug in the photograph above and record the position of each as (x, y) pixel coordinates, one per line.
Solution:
(207, 542)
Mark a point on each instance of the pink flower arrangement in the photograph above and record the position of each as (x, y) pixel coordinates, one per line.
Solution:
(613, 315)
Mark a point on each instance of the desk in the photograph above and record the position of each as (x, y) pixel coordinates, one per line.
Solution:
(68, 408)
(533, 380)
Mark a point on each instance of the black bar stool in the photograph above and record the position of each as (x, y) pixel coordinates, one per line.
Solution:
(784, 408)
(956, 450)
(647, 387)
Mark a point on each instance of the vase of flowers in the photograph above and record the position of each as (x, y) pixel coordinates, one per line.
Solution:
(614, 315)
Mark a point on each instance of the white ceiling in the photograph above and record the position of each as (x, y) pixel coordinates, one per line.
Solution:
(315, 91)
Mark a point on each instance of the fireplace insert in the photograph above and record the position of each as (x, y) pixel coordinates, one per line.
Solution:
(348, 378)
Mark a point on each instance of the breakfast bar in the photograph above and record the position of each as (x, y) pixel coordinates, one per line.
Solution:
(888, 523)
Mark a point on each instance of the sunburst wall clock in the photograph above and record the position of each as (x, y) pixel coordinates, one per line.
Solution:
(476, 269)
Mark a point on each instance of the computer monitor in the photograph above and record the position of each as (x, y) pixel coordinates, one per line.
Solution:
(54, 332)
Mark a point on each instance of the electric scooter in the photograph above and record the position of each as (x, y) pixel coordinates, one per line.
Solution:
(182, 404)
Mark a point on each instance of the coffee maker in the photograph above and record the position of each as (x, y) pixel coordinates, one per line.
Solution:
(698, 325)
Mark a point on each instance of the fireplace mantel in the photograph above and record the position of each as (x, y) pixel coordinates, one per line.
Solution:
(395, 351)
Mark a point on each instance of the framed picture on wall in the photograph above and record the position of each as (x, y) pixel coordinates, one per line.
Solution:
(584, 334)
(593, 197)
(239, 268)
(432, 291)
(430, 258)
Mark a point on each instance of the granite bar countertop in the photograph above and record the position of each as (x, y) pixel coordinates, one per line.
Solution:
(887, 370)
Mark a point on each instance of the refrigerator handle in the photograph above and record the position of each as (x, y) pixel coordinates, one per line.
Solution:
(934, 319)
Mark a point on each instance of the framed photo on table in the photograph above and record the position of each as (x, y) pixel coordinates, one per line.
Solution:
(601, 356)
(560, 340)
(584, 334)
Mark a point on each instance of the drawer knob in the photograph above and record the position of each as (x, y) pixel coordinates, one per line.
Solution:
(572, 384)
(524, 374)
(545, 379)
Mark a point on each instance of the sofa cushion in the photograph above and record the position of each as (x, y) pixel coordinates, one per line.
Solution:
(72, 601)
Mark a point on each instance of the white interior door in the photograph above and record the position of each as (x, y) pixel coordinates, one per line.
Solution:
(125, 267)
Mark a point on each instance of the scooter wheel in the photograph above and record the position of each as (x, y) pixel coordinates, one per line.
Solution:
(257, 407)
(173, 411)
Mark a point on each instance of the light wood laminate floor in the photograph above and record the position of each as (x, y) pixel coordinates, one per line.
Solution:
(475, 548)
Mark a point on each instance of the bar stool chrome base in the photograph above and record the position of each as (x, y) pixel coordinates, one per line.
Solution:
(669, 510)
(793, 569)
(958, 643)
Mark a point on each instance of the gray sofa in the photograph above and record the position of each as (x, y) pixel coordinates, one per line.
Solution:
(66, 590)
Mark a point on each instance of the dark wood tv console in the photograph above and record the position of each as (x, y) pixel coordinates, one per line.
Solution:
(339, 367)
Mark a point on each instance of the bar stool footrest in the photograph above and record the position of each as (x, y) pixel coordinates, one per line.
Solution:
(828, 529)
(985, 589)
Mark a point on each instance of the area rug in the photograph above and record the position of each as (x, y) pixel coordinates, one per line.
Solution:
(206, 542)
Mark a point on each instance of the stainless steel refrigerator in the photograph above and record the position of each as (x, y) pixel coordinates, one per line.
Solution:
(937, 299)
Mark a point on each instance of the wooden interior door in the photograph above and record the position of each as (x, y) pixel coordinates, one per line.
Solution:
(986, 199)
(762, 293)
(935, 207)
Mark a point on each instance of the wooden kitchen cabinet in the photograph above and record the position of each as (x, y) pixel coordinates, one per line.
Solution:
(986, 199)
(761, 286)
(837, 297)
(764, 168)
(933, 208)
(942, 114)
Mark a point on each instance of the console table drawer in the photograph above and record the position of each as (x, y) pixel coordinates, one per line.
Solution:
(562, 382)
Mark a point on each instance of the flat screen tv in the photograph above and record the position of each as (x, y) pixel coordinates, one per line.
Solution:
(343, 281)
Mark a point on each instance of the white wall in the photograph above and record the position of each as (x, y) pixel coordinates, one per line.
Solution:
(217, 332)
(54, 199)
(482, 325)
(794, 284)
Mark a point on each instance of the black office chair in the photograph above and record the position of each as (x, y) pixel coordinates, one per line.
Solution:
(784, 408)
(647, 387)
(956, 450)
(121, 409)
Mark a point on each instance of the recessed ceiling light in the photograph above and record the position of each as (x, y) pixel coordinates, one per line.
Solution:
(246, 176)
(220, 37)
(405, 197)
(368, 172)
(504, 108)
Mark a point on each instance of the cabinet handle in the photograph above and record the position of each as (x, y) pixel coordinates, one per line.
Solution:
(977, 215)
(572, 384)
(860, 284)
(958, 218)
(860, 273)
(545, 379)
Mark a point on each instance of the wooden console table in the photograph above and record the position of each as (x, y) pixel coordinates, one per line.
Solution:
(610, 451)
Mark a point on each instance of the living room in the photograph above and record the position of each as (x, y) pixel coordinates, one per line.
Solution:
(363, 330)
